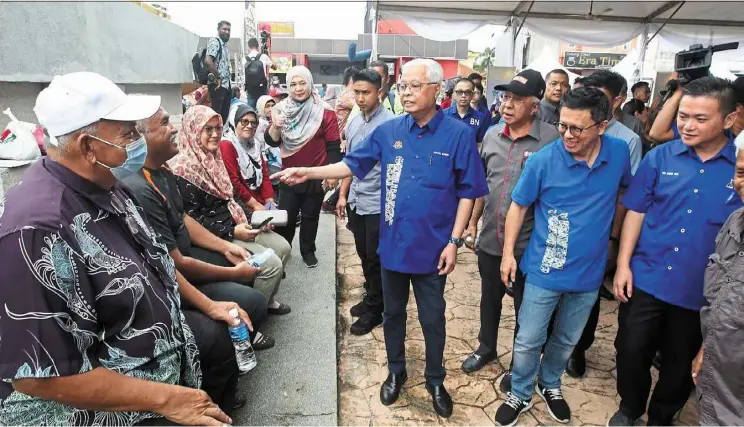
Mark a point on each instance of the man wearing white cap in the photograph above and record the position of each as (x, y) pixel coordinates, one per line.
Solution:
(91, 327)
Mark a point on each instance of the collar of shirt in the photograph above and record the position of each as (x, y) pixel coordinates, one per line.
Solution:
(87, 189)
(432, 125)
(549, 104)
(452, 111)
(602, 157)
(728, 151)
(374, 114)
(534, 132)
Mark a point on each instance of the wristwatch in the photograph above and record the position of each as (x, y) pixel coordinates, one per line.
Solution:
(455, 241)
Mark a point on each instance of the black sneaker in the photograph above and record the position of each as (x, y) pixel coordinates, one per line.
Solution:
(505, 384)
(366, 323)
(509, 411)
(310, 260)
(557, 406)
(621, 419)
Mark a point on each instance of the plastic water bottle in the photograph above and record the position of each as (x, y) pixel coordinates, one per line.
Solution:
(242, 341)
(259, 259)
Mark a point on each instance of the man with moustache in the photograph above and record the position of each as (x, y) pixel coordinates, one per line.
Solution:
(557, 83)
(677, 203)
(217, 60)
(504, 152)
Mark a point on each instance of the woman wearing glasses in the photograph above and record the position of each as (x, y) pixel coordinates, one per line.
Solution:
(306, 130)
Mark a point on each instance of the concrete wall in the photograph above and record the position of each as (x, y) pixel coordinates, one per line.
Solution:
(118, 40)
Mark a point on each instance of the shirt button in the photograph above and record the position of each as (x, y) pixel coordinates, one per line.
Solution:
(682, 230)
(741, 253)
(676, 249)
(695, 190)
(417, 157)
(689, 210)
(702, 170)
(669, 267)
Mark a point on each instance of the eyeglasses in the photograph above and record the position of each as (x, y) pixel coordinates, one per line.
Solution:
(574, 130)
(464, 92)
(246, 123)
(517, 100)
(211, 130)
(414, 86)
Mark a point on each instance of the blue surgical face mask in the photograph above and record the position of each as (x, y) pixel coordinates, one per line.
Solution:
(136, 155)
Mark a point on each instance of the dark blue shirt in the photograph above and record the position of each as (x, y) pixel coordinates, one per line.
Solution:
(425, 172)
(574, 207)
(686, 201)
(473, 118)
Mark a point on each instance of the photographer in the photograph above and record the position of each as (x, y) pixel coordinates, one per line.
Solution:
(664, 127)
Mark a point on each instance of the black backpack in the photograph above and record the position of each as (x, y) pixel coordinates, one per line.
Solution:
(200, 67)
(255, 75)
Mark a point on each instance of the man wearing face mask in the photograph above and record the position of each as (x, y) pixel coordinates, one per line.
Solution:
(92, 327)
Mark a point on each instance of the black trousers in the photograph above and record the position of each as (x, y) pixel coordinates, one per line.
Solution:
(366, 230)
(309, 203)
(429, 292)
(492, 292)
(647, 324)
(220, 97)
(217, 357)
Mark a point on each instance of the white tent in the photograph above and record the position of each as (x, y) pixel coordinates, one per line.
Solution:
(546, 63)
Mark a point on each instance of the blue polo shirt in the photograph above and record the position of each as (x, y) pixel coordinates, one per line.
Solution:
(425, 172)
(686, 201)
(574, 207)
(473, 118)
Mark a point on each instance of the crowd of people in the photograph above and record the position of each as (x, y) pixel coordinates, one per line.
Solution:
(126, 247)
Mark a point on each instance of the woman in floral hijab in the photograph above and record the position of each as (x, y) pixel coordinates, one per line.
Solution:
(207, 195)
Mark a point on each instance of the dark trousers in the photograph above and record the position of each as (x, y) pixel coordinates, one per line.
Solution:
(309, 204)
(429, 292)
(647, 324)
(249, 299)
(492, 292)
(220, 98)
(366, 230)
(217, 358)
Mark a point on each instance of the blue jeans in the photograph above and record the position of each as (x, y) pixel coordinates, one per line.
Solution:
(572, 311)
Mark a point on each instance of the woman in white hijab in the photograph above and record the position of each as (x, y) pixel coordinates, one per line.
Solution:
(306, 131)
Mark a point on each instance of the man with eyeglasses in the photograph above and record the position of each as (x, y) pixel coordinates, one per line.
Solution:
(557, 83)
(463, 95)
(504, 152)
(431, 176)
(573, 185)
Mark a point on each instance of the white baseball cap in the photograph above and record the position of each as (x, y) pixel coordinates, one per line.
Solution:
(76, 100)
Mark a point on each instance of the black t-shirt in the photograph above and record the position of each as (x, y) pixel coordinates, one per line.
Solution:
(157, 192)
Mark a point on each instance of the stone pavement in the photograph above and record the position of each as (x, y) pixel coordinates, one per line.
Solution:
(363, 365)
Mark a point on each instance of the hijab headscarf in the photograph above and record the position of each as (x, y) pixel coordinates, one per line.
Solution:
(302, 117)
(249, 150)
(199, 167)
(261, 105)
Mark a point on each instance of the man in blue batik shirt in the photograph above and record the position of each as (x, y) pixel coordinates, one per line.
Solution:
(461, 109)
(680, 197)
(431, 176)
(573, 184)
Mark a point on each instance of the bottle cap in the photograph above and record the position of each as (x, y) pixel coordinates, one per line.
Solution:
(233, 313)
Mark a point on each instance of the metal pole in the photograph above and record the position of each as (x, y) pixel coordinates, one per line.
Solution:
(638, 72)
(512, 42)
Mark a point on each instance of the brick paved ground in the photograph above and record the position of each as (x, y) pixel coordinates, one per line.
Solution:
(363, 365)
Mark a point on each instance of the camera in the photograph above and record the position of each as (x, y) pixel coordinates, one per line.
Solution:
(695, 62)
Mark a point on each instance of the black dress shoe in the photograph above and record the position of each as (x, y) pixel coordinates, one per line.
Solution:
(576, 366)
(359, 309)
(239, 403)
(366, 323)
(476, 362)
(390, 389)
(441, 399)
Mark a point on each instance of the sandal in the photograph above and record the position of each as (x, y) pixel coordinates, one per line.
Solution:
(262, 342)
(281, 310)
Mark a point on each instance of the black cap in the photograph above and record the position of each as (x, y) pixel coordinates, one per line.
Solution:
(526, 83)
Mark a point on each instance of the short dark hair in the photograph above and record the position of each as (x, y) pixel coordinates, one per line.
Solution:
(739, 89)
(713, 87)
(606, 79)
(478, 86)
(465, 79)
(378, 63)
(475, 76)
(639, 85)
(557, 71)
(253, 43)
(634, 106)
(580, 80)
(588, 98)
(236, 91)
(324, 85)
(349, 74)
(221, 23)
(368, 75)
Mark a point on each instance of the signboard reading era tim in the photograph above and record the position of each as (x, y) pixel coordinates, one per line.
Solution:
(591, 59)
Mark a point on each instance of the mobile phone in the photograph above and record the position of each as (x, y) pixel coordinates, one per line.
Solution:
(265, 222)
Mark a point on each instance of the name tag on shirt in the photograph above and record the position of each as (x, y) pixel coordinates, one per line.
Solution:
(438, 153)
